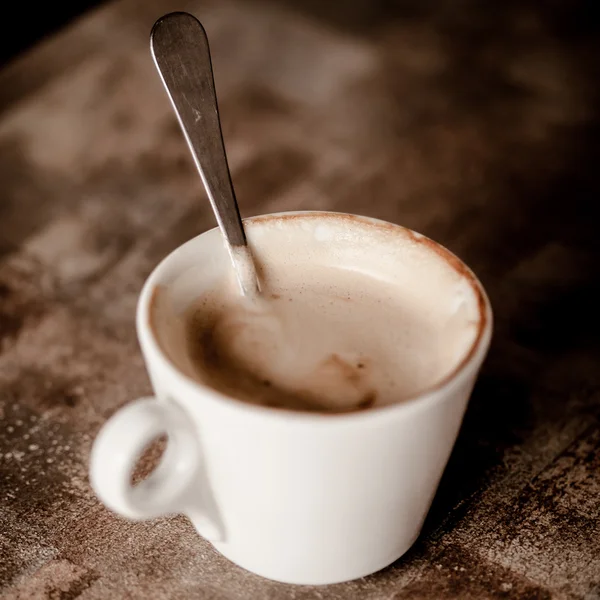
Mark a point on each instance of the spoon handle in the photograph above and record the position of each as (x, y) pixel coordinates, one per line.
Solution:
(180, 50)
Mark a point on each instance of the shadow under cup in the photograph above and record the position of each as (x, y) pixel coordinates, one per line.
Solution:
(298, 497)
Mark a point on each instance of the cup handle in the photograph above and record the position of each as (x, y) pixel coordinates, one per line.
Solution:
(170, 488)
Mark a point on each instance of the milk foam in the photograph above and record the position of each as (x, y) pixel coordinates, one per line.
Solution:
(352, 315)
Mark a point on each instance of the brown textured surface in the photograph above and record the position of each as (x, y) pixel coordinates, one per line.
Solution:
(476, 125)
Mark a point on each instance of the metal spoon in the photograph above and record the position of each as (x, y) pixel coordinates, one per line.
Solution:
(180, 50)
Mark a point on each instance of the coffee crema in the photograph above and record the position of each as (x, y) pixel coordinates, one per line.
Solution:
(326, 336)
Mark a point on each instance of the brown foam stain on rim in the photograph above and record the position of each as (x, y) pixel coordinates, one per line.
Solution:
(458, 265)
(157, 290)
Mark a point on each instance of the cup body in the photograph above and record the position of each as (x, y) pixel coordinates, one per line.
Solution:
(296, 497)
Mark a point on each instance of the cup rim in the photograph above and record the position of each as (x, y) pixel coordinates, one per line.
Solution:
(432, 394)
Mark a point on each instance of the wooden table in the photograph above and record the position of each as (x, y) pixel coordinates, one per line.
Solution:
(474, 125)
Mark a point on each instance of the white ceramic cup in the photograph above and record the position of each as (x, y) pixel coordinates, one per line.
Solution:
(296, 497)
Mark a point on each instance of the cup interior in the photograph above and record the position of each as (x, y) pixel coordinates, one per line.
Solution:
(430, 278)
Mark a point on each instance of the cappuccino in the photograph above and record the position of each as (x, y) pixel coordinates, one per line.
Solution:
(344, 323)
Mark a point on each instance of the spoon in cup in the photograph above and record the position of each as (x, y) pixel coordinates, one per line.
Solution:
(179, 46)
